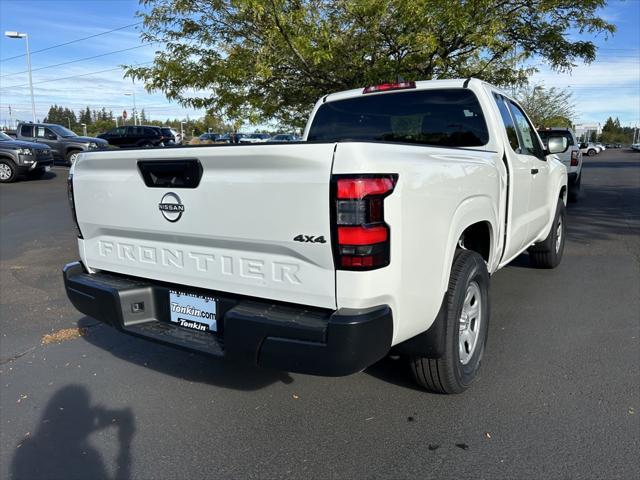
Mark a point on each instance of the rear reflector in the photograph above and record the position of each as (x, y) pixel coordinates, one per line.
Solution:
(362, 235)
(384, 87)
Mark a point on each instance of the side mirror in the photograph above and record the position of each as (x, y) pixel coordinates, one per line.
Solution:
(557, 145)
(52, 136)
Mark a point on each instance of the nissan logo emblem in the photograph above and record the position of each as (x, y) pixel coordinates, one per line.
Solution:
(171, 207)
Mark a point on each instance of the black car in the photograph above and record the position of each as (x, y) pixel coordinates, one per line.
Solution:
(167, 135)
(135, 136)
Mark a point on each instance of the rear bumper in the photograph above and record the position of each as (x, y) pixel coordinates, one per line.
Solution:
(285, 337)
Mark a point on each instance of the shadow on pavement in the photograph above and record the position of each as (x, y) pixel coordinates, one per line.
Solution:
(60, 447)
(603, 212)
(27, 179)
(179, 363)
(394, 371)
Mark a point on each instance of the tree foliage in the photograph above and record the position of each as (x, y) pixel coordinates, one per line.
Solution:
(271, 59)
(547, 107)
(613, 132)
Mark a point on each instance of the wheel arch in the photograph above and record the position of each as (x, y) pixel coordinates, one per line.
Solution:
(477, 218)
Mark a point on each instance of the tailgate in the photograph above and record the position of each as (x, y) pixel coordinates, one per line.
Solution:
(234, 231)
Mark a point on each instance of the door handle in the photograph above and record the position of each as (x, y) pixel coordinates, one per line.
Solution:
(534, 171)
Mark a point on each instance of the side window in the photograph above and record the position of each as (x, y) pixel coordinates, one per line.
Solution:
(26, 130)
(512, 135)
(530, 143)
(47, 133)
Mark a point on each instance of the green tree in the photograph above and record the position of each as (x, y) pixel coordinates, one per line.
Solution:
(271, 59)
(547, 107)
(85, 117)
(613, 132)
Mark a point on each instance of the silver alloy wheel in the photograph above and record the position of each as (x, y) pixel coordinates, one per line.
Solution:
(73, 157)
(5, 171)
(470, 321)
(559, 235)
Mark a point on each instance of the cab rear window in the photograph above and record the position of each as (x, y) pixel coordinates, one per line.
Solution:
(447, 117)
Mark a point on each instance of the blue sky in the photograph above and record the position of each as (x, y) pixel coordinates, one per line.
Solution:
(609, 86)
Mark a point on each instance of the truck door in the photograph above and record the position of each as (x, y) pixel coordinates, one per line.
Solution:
(519, 184)
(532, 150)
(47, 136)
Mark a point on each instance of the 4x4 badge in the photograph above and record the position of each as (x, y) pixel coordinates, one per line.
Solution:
(309, 239)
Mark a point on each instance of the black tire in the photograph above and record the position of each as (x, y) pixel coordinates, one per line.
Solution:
(548, 253)
(146, 145)
(448, 374)
(37, 173)
(574, 190)
(8, 171)
(71, 155)
(592, 152)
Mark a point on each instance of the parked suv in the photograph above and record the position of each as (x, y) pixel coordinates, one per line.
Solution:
(64, 144)
(17, 157)
(589, 148)
(134, 136)
(572, 157)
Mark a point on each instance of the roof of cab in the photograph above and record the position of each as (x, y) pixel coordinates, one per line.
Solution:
(420, 85)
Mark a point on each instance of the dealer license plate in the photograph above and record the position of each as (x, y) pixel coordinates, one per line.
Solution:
(197, 312)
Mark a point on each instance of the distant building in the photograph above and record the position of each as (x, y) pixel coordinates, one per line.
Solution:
(584, 130)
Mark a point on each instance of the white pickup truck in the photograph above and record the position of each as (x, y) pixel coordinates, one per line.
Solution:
(376, 234)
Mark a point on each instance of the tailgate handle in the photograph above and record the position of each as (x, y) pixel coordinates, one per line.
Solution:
(171, 173)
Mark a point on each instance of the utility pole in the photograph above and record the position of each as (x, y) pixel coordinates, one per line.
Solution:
(26, 37)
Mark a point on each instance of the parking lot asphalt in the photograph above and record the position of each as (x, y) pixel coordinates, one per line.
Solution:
(558, 395)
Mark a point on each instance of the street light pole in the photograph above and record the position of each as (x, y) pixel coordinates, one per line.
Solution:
(135, 111)
(26, 37)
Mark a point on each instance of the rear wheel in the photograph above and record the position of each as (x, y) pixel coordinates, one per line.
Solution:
(467, 322)
(574, 189)
(548, 253)
(8, 171)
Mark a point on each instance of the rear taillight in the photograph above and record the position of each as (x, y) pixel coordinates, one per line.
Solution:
(574, 158)
(72, 203)
(361, 237)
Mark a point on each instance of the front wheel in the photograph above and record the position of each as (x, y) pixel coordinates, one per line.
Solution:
(592, 152)
(548, 253)
(467, 323)
(8, 171)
